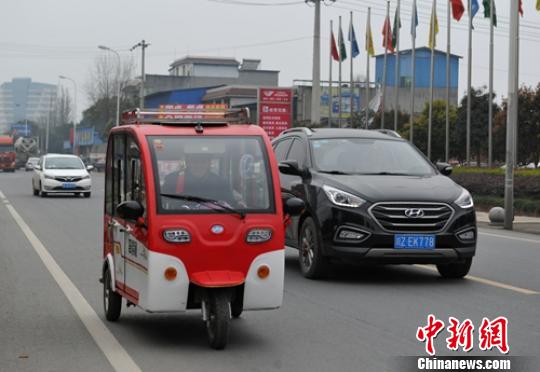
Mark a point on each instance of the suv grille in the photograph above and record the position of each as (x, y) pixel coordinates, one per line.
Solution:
(412, 217)
(68, 179)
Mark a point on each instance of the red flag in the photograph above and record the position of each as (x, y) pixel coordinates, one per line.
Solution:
(333, 48)
(521, 7)
(387, 35)
(457, 9)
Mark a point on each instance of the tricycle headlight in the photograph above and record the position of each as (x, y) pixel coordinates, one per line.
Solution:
(177, 236)
(465, 200)
(258, 235)
(342, 198)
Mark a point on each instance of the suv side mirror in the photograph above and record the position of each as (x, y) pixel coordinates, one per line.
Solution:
(293, 206)
(444, 168)
(290, 167)
(130, 210)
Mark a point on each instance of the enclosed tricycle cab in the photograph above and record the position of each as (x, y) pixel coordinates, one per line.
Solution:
(193, 217)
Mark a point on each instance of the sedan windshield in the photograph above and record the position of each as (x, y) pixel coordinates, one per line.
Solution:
(211, 175)
(63, 163)
(368, 156)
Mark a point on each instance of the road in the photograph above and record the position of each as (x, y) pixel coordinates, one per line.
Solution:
(358, 320)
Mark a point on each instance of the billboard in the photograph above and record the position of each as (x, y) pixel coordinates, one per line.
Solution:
(275, 110)
(21, 130)
(345, 102)
(85, 136)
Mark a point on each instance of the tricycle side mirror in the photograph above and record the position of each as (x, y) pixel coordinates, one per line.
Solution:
(290, 167)
(293, 206)
(444, 168)
(130, 210)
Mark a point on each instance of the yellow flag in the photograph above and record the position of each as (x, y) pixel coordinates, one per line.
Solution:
(537, 4)
(369, 41)
(433, 35)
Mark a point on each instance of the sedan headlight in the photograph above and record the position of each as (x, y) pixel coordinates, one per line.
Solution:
(465, 200)
(342, 198)
(49, 177)
(87, 177)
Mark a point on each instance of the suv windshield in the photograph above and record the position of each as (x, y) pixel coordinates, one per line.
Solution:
(368, 156)
(223, 174)
(63, 163)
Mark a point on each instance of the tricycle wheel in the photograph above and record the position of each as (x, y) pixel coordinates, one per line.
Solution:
(112, 301)
(217, 324)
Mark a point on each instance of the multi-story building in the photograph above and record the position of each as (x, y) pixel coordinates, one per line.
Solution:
(22, 99)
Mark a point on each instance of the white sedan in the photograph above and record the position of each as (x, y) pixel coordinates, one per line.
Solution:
(56, 173)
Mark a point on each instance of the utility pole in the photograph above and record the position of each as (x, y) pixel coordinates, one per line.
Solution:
(143, 44)
(385, 66)
(490, 119)
(469, 86)
(397, 68)
(448, 49)
(512, 116)
(316, 72)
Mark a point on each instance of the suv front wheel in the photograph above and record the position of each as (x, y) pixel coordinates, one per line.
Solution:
(312, 262)
(455, 270)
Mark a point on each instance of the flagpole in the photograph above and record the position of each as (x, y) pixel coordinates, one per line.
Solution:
(385, 65)
(448, 48)
(339, 87)
(352, 85)
(469, 85)
(490, 119)
(330, 94)
(413, 73)
(396, 74)
(368, 32)
(432, 75)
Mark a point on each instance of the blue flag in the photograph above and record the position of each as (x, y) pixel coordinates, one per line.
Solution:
(474, 7)
(414, 20)
(354, 43)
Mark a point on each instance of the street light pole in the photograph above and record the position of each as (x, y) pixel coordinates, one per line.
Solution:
(103, 47)
(143, 44)
(75, 149)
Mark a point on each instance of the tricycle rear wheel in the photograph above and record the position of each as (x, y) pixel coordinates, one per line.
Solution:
(112, 301)
(217, 324)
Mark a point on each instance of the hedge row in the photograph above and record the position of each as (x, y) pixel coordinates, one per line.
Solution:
(496, 171)
(487, 184)
(529, 207)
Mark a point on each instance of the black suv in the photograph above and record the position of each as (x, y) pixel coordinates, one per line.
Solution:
(372, 196)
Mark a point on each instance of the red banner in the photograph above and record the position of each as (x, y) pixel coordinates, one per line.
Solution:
(275, 110)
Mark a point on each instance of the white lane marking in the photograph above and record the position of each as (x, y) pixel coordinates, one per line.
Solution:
(511, 237)
(2, 196)
(109, 345)
(489, 282)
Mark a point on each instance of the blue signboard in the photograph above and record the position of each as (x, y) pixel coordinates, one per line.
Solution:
(21, 130)
(85, 136)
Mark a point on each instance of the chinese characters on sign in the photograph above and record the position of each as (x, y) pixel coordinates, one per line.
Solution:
(492, 333)
(275, 110)
(193, 111)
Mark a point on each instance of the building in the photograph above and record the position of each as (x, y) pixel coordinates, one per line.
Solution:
(22, 99)
(423, 69)
(206, 72)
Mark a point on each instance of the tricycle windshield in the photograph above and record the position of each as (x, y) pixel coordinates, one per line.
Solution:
(211, 174)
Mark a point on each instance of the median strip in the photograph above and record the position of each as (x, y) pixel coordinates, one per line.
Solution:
(109, 345)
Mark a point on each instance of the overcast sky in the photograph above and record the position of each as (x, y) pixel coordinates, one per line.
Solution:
(42, 39)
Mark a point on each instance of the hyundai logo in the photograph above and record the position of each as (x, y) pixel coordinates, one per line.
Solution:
(414, 213)
(217, 229)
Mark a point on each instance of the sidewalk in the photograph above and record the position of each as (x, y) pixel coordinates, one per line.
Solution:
(524, 224)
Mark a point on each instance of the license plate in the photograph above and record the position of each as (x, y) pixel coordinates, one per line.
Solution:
(414, 241)
(68, 185)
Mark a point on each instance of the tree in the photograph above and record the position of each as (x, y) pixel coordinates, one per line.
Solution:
(403, 120)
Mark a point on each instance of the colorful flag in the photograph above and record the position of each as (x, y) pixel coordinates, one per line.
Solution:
(414, 19)
(475, 7)
(333, 47)
(433, 32)
(370, 48)
(354, 45)
(521, 7)
(538, 5)
(342, 48)
(397, 26)
(387, 35)
(457, 9)
(487, 11)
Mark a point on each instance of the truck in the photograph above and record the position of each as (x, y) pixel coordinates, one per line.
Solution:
(7, 154)
(25, 147)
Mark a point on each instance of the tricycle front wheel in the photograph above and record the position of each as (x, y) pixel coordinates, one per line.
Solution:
(217, 324)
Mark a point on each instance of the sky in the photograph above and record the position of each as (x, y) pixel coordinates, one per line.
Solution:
(43, 39)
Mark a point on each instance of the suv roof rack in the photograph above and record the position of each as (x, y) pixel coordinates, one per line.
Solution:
(188, 115)
(306, 130)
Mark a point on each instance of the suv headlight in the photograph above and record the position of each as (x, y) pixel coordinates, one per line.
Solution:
(465, 200)
(342, 198)
(49, 177)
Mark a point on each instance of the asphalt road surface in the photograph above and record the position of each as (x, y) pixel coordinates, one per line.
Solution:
(358, 320)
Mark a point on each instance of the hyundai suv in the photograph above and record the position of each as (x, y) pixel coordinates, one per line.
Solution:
(372, 196)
